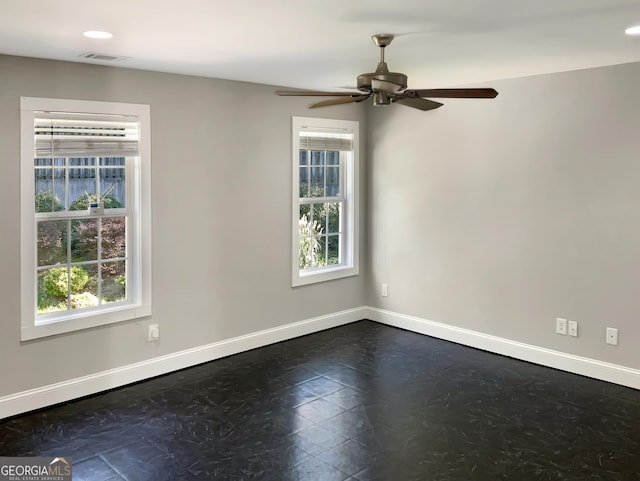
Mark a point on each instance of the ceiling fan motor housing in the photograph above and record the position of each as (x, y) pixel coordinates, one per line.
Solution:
(364, 80)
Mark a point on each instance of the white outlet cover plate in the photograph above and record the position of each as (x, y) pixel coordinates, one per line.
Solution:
(153, 333)
(561, 326)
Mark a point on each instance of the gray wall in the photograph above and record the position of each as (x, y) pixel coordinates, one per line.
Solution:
(221, 228)
(496, 216)
(500, 215)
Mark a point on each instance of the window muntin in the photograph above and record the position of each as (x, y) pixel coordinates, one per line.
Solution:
(325, 230)
(86, 206)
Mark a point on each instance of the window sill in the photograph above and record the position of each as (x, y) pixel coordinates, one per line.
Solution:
(85, 321)
(322, 275)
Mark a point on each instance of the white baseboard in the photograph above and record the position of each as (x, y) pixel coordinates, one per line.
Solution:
(32, 399)
(25, 401)
(593, 368)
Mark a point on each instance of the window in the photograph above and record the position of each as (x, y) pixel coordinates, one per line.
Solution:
(85, 214)
(325, 178)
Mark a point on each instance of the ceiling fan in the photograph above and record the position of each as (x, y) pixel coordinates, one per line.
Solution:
(387, 87)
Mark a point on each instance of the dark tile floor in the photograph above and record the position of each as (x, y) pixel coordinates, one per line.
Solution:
(361, 402)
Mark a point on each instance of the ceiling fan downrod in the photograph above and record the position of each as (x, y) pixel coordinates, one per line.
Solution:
(382, 40)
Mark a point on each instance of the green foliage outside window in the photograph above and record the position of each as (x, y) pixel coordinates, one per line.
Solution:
(309, 242)
(53, 238)
(54, 287)
(319, 234)
(47, 201)
(82, 202)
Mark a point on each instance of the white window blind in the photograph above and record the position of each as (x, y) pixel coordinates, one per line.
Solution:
(326, 141)
(70, 135)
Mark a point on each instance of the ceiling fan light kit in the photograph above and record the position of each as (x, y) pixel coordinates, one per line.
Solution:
(390, 87)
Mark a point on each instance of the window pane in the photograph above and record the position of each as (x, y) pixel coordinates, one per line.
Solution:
(84, 286)
(42, 162)
(304, 182)
(59, 187)
(46, 200)
(82, 188)
(321, 259)
(114, 287)
(333, 250)
(304, 157)
(333, 212)
(319, 214)
(113, 161)
(305, 210)
(52, 242)
(333, 181)
(317, 182)
(317, 158)
(309, 241)
(82, 161)
(312, 214)
(52, 290)
(317, 174)
(84, 240)
(112, 188)
(333, 158)
(113, 233)
(49, 189)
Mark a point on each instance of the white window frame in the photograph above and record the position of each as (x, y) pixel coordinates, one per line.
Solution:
(138, 174)
(349, 168)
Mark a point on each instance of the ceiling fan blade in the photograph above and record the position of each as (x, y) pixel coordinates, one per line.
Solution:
(418, 103)
(455, 93)
(385, 86)
(315, 93)
(339, 100)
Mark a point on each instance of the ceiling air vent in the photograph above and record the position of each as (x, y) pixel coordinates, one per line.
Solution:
(101, 56)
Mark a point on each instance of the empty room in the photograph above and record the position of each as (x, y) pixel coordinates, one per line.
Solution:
(304, 240)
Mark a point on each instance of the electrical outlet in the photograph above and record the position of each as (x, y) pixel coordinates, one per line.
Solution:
(573, 328)
(384, 290)
(561, 326)
(612, 336)
(153, 334)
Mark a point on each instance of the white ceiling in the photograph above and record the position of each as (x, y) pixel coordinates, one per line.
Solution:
(325, 44)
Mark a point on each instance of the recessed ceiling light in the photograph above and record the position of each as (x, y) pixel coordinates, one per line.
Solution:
(635, 30)
(97, 34)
